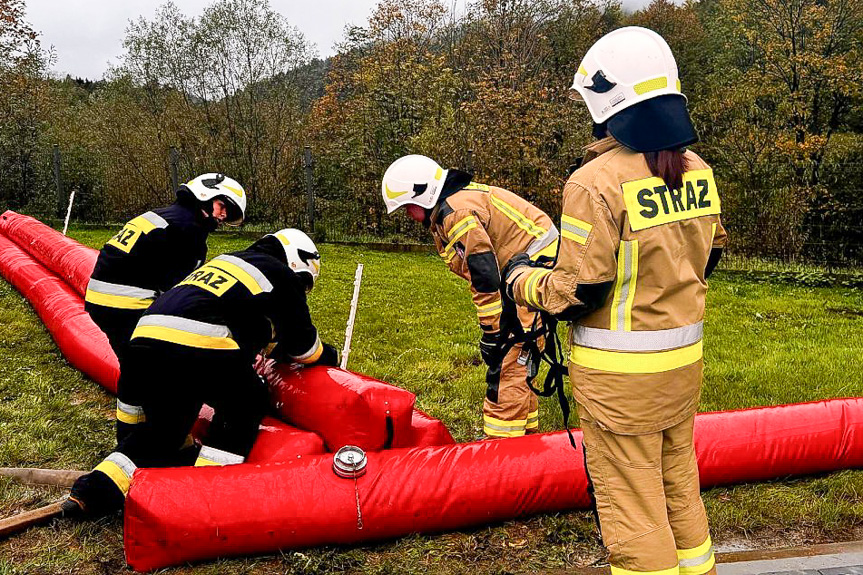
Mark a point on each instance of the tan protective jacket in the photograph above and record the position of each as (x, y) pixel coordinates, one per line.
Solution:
(478, 229)
(636, 360)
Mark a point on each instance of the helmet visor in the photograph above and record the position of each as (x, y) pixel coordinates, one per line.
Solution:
(235, 214)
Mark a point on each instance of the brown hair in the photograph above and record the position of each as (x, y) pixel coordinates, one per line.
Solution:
(668, 165)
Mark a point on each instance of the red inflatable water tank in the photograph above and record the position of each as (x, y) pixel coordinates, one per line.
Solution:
(69, 260)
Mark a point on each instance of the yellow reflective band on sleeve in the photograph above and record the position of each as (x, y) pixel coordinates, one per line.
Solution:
(117, 301)
(316, 355)
(531, 291)
(649, 201)
(115, 474)
(184, 338)
(489, 310)
(532, 420)
(620, 571)
(651, 85)
(550, 251)
(574, 229)
(459, 229)
(699, 569)
(624, 286)
(517, 217)
(629, 362)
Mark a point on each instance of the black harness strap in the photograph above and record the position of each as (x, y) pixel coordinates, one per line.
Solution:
(513, 333)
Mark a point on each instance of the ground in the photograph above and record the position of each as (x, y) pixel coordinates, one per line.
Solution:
(767, 342)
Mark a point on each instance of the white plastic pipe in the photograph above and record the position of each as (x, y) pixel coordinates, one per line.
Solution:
(349, 332)
(68, 212)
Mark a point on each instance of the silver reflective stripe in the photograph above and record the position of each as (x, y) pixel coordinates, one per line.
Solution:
(311, 351)
(256, 274)
(657, 340)
(543, 241)
(219, 456)
(117, 289)
(574, 230)
(155, 219)
(503, 428)
(184, 324)
(124, 463)
(133, 410)
(697, 561)
(625, 285)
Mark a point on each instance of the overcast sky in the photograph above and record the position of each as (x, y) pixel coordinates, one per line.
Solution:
(88, 34)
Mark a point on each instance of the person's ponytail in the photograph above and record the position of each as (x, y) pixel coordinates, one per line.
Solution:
(669, 165)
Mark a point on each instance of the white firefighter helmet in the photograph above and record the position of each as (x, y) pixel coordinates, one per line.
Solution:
(210, 186)
(412, 179)
(629, 81)
(301, 253)
(623, 68)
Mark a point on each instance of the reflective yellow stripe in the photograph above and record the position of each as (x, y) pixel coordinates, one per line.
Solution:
(235, 191)
(477, 186)
(143, 224)
(532, 420)
(531, 291)
(548, 251)
(113, 471)
(130, 418)
(699, 569)
(204, 462)
(582, 71)
(624, 286)
(619, 571)
(184, 338)
(695, 551)
(117, 301)
(520, 220)
(315, 356)
(651, 85)
(502, 428)
(244, 278)
(489, 310)
(459, 229)
(574, 229)
(628, 362)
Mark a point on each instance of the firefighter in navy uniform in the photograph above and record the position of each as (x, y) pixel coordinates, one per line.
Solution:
(640, 234)
(477, 229)
(149, 256)
(197, 344)
(156, 250)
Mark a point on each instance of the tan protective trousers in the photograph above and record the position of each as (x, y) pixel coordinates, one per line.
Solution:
(515, 409)
(647, 494)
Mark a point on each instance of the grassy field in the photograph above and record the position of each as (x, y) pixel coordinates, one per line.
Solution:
(767, 343)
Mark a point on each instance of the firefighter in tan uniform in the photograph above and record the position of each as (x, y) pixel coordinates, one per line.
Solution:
(477, 229)
(640, 234)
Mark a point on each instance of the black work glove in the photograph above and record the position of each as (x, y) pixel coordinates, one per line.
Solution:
(490, 347)
(517, 261)
(328, 357)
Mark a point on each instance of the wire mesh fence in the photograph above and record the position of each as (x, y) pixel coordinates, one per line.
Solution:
(108, 192)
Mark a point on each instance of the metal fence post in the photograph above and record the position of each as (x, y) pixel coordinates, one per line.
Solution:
(58, 180)
(175, 162)
(308, 164)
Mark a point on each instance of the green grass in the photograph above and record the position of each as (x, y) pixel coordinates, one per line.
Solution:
(767, 343)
